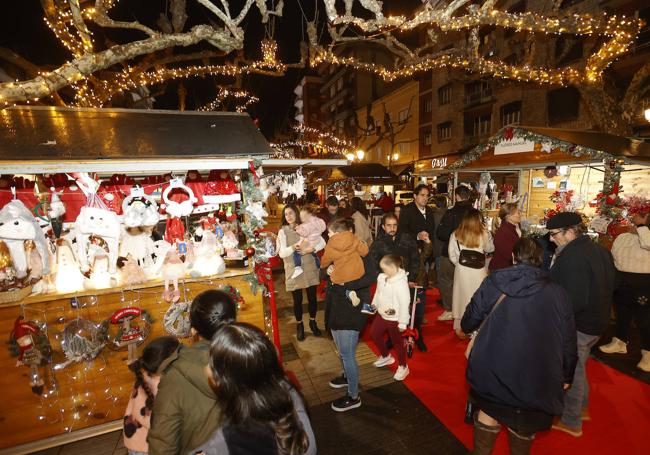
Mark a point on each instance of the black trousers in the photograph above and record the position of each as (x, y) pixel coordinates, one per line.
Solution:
(632, 303)
(312, 303)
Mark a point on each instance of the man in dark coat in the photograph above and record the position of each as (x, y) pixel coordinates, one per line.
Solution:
(586, 270)
(417, 220)
(449, 223)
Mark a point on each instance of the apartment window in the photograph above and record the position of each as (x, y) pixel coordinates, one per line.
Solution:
(563, 104)
(427, 138)
(511, 113)
(478, 125)
(428, 106)
(404, 149)
(403, 116)
(444, 94)
(477, 92)
(444, 132)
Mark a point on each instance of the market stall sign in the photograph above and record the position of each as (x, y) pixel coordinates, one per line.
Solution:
(439, 163)
(513, 145)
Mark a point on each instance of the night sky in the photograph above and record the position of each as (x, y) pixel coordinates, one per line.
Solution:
(25, 32)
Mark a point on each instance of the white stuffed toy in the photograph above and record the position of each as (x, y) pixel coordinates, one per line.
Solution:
(17, 224)
(97, 222)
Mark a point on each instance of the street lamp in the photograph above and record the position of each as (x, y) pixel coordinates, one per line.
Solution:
(350, 156)
(360, 154)
(395, 156)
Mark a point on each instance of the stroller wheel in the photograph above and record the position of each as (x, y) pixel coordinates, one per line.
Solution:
(409, 350)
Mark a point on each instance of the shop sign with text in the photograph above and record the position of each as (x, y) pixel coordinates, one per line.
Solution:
(513, 145)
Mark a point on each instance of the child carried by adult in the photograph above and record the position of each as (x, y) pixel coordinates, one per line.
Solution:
(310, 231)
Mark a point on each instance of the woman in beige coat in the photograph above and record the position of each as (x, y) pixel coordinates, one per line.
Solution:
(360, 218)
(288, 243)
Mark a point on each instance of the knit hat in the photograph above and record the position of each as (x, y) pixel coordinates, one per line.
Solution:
(563, 220)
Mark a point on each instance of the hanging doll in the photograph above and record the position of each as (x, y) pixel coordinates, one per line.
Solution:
(229, 240)
(130, 272)
(33, 350)
(173, 269)
(55, 213)
(175, 230)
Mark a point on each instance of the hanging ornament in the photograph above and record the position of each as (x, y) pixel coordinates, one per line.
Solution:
(32, 348)
(234, 294)
(134, 326)
(256, 233)
(82, 340)
(55, 213)
(177, 319)
(250, 251)
(175, 229)
(550, 171)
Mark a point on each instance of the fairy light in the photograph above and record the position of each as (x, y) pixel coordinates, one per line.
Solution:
(244, 99)
(317, 139)
(621, 33)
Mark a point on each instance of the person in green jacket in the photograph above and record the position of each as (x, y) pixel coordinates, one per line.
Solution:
(185, 413)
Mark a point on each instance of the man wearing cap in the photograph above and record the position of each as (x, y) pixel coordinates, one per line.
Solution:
(586, 270)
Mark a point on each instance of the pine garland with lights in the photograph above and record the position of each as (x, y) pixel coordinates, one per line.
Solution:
(255, 244)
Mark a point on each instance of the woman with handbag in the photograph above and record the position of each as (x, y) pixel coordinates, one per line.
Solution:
(524, 353)
(468, 246)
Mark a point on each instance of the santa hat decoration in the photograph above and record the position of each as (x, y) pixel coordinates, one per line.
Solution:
(220, 188)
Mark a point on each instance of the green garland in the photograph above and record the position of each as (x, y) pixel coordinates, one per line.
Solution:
(574, 150)
(251, 193)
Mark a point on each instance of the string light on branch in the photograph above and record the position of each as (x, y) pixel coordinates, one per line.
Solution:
(243, 99)
(619, 34)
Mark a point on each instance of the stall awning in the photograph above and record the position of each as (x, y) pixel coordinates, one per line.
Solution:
(366, 174)
(403, 169)
(605, 142)
(52, 135)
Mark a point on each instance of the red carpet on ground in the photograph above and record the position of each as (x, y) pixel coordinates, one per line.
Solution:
(619, 405)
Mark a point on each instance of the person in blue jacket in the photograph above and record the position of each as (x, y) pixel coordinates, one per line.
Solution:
(525, 353)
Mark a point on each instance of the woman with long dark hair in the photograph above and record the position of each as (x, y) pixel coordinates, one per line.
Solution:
(262, 412)
(360, 218)
(185, 412)
(289, 242)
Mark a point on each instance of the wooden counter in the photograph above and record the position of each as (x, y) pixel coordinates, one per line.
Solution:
(88, 394)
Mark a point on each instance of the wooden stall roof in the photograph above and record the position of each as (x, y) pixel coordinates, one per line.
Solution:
(631, 148)
(365, 174)
(55, 133)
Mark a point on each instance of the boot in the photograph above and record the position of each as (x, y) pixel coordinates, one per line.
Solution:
(519, 445)
(484, 438)
(644, 364)
(300, 331)
(420, 341)
(616, 346)
(314, 328)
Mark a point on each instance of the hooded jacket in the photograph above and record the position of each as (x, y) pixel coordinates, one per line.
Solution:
(185, 411)
(527, 348)
(392, 298)
(586, 270)
(344, 250)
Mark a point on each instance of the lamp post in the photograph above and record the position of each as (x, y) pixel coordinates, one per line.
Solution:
(350, 156)
(360, 154)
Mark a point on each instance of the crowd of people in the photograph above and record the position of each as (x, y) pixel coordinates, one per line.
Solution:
(531, 322)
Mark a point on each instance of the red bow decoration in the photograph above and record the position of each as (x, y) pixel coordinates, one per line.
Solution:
(509, 134)
(256, 179)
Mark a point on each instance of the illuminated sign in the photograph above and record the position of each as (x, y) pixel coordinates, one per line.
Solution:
(439, 163)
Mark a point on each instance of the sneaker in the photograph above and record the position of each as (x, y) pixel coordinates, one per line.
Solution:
(346, 403)
(615, 346)
(401, 373)
(644, 364)
(354, 298)
(585, 416)
(575, 432)
(368, 309)
(339, 382)
(445, 316)
(384, 361)
(296, 273)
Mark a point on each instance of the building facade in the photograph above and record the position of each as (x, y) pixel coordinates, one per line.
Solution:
(387, 127)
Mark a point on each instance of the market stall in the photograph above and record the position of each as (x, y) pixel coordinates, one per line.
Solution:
(111, 221)
(364, 179)
(546, 169)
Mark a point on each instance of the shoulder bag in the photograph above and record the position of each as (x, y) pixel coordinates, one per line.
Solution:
(470, 345)
(471, 258)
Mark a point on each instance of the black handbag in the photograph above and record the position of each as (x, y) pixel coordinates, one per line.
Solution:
(470, 258)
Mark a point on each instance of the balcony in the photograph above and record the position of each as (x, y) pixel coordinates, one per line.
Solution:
(484, 96)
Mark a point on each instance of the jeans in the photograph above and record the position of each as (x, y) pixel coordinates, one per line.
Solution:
(312, 302)
(577, 397)
(346, 342)
(297, 259)
(446, 282)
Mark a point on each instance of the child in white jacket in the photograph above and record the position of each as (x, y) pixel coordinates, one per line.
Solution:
(391, 300)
